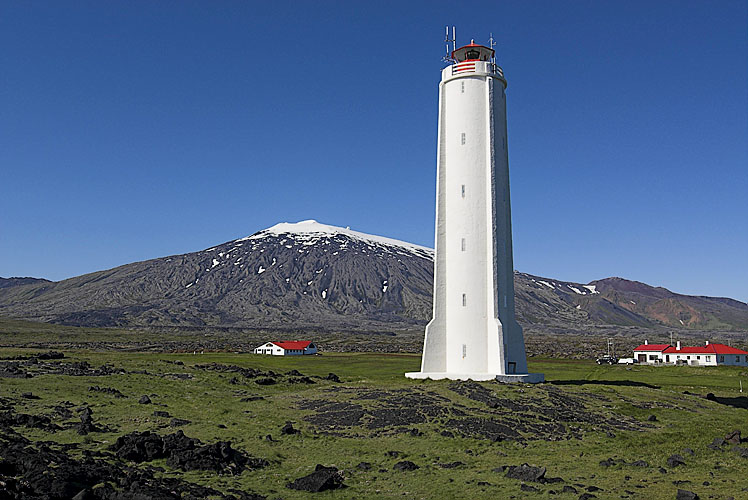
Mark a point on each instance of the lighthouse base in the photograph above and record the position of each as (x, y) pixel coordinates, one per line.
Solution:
(520, 378)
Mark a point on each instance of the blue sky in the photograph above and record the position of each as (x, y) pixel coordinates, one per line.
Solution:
(133, 130)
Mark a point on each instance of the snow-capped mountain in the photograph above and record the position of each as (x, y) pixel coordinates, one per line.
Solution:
(308, 275)
(289, 275)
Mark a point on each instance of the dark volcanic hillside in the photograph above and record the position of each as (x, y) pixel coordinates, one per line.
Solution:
(310, 275)
(9, 282)
(288, 276)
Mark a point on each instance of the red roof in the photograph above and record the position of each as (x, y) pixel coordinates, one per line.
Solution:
(293, 344)
(652, 347)
(707, 349)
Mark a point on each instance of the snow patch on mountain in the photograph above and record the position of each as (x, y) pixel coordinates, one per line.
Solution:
(309, 232)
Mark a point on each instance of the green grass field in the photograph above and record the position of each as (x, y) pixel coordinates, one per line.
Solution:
(612, 398)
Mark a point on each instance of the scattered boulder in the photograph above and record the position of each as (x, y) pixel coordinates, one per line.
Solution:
(184, 453)
(107, 390)
(265, 381)
(405, 465)
(639, 463)
(144, 400)
(652, 418)
(29, 395)
(50, 355)
(364, 466)
(527, 487)
(717, 444)
(569, 489)
(251, 398)
(322, 479)
(288, 430)
(733, 437)
(525, 472)
(675, 461)
(743, 452)
(86, 424)
(451, 465)
(161, 413)
(686, 495)
(687, 451)
(332, 377)
(586, 496)
(608, 462)
(179, 422)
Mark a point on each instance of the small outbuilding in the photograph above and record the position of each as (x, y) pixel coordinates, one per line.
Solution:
(287, 348)
(707, 355)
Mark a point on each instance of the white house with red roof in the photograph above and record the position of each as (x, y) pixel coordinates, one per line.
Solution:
(707, 355)
(287, 348)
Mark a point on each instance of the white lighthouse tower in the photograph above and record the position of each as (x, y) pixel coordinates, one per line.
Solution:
(473, 333)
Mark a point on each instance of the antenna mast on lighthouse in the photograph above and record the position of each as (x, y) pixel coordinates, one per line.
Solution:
(491, 45)
(448, 56)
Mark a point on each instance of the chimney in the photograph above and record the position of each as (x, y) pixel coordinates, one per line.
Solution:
(707, 342)
(677, 345)
(646, 341)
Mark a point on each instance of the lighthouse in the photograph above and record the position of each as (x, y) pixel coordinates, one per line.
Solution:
(473, 333)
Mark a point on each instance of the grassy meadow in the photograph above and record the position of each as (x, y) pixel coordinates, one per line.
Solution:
(211, 401)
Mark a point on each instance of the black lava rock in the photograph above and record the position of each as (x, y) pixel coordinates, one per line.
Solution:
(733, 437)
(322, 479)
(526, 472)
(144, 400)
(288, 430)
(675, 461)
(686, 495)
(405, 465)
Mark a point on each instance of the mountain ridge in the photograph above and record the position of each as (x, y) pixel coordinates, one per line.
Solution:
(311, 275)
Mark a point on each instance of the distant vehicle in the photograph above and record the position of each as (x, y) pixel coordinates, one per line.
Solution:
(607, 359)
(627, 361)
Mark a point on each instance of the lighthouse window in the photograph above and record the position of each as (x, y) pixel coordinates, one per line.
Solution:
(462, 244)
(472, 54)
(462, 139)
(463, 190)
(463, 87)
(464, 300)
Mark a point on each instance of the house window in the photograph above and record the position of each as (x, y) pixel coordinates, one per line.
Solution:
(462, 244)
(707, 358)
(464, 300)
(746, 359)
(721, 359)
(462, 139)
(737, 359)
(698, 357)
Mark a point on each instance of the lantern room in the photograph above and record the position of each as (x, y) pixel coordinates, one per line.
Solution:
(472, 52)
